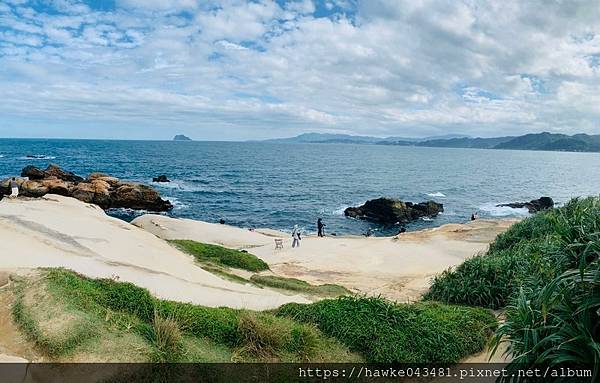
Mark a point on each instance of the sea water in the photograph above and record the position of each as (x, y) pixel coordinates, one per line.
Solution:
(276, 185)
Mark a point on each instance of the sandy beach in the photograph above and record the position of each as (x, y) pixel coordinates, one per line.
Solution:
(398, 268)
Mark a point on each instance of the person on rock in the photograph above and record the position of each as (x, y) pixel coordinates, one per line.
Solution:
(14, 187)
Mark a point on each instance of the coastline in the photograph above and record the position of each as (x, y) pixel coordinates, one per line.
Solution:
(57, 231)
(398, 268)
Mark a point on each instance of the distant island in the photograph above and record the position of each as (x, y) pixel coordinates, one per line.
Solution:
(535, 141)
(181, 137)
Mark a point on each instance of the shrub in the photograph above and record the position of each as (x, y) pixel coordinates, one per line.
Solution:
(528, 255)
(221, 256)
(385, 332)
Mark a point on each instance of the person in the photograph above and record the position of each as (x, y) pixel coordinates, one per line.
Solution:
(473, 216)
(296, 236)
(369, 233)
(320, 228)
(14, 188)
(222, 221)
(402, 230)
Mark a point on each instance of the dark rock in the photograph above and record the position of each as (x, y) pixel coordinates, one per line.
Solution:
(392, 211)
(32, 173)
(53, 170)
(533, 206)
(138, 196)
(161, 178)
(99, 188)
(181, 137)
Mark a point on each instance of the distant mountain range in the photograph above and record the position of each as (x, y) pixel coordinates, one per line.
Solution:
(534, 141)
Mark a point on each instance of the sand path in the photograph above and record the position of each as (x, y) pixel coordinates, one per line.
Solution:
(57, 231)
(397, 268)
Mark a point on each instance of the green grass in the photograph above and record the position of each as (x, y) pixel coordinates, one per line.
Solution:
(168, 325)
(292, 284)
(217, 255)
(385, 332)
(529, 255)
(545, 271)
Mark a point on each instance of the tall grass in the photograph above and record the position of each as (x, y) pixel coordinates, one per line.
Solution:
(546, 271)
(385, 332)
(253, 336)
(530, 254)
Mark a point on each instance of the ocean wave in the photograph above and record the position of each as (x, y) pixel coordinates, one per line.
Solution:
(436, 194)
(503, 211)
(36, 157)
(177, 204)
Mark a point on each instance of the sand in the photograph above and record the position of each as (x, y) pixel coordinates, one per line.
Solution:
(57, 231)
(398, 268)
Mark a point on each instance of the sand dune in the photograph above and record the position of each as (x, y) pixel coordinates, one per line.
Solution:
(57, 231)
(397, 268)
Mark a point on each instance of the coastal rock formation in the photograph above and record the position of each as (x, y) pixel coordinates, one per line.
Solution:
(161, 178)
(34, 173)
(533, 206)
(100, 189)
(391, 211)
(181, 137)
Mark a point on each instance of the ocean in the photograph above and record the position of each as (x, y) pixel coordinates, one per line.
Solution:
(274, 185)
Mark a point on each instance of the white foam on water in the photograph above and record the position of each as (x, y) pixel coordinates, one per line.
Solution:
(36, 157)
(436, 194)
(178, 185)
(503, 211)
(177, 204)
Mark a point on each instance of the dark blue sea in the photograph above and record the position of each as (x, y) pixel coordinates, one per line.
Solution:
(279, 185)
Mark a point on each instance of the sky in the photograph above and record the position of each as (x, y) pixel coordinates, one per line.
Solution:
(237, 70)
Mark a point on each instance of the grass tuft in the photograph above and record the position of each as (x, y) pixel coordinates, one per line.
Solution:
(217, 255)
(292, 284)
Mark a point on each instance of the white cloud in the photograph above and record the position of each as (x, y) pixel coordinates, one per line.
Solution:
(386, 67)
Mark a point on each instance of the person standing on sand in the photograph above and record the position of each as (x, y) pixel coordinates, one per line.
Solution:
(320, 228)
(14, 187)
(296, 236)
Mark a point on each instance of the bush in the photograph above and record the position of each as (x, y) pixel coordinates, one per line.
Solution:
(385, 332)
(546, 271)
(528, 255)
(221, 256)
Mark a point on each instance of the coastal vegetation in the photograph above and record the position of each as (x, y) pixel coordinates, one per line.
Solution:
(221, 256)
(386, 332)
(70, 317)
(545, 272)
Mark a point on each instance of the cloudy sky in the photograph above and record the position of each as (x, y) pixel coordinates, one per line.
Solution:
(236, 69)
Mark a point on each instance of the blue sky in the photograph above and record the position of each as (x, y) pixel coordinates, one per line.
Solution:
(233, 69)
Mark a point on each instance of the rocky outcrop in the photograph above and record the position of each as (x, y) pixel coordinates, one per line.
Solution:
(161, 178)
(34, 173)
(99, 188)
(391, 211)
(533, 206)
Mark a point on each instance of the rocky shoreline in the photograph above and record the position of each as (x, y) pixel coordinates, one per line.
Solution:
(98, 188)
